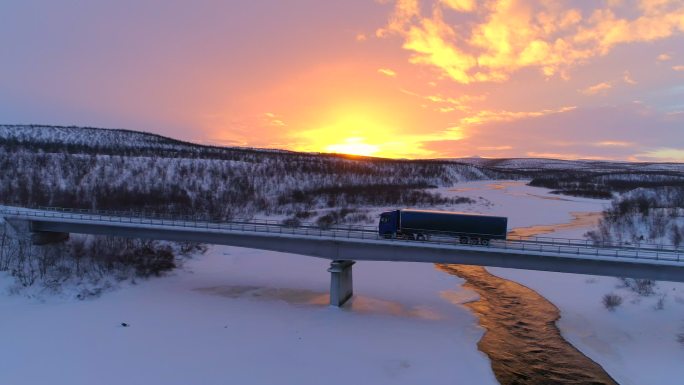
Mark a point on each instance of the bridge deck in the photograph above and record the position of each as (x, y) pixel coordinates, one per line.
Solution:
(572, 256)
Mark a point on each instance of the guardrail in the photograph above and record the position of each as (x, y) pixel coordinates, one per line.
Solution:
(356, 227)
(575, 247)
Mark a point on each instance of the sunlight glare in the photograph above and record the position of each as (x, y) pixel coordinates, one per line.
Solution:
(353, 146)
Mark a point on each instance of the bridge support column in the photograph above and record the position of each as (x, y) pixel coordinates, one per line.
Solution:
(341, 288)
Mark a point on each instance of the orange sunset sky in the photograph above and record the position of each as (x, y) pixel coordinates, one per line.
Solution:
(408, 78)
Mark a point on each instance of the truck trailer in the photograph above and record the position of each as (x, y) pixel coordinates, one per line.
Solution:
(474, 229)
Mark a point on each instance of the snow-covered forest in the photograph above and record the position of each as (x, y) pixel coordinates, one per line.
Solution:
(122, 170)
(606, 185)
(644, 215)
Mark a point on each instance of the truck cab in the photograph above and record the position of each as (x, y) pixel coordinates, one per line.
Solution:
(389, 224)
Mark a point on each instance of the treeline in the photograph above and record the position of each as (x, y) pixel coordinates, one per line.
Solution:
(217, 188)
(605, 185)
(643, 215)
(86, 265)
(373, 195)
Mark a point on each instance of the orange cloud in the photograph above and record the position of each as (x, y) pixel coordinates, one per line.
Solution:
(627, 78)
(273, 120)
(597, 88)
(486, 116)
(387, 72)
(461, 5)
(664, 154)
(613, 143)
(569, 156)
(664, 57)
(448, 104)
(504, 36)
(495, 148)
(431, 43)
(678, 68)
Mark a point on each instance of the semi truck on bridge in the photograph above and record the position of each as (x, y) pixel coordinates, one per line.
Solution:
(474, 229)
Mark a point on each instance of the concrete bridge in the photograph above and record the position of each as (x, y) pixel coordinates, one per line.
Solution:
(343, 246)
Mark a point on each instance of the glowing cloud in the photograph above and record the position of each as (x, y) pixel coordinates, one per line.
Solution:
(597, 88)
(463, 103)
(678, 68)
(627, 78)
(273, 120)
(461, 5)
(495, 148)
(612, 143)
(504, 36)
(387, 72)
(487, 116)
(664, 155)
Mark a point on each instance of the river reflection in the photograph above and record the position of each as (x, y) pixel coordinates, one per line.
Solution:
(521, 338)
(304, 297)
(579, 220)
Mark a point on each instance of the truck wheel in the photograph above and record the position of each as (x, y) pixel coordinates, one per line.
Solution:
(464, 240)
(484, 242)
(474, 241)
(421, 237)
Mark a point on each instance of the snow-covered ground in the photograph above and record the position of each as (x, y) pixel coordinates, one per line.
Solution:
(244, 316)
(241, 316)
(523, 205)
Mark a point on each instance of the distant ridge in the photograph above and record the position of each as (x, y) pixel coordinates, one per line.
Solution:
(89, 140)
(101, 138)
(537, 164)
(93, 140)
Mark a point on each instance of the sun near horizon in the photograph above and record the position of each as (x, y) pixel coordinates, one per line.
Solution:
(390, 78)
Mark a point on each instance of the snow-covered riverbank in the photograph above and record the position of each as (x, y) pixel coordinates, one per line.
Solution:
(635, 344)
(250, 317)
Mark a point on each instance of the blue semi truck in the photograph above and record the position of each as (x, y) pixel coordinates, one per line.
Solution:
(474, 229)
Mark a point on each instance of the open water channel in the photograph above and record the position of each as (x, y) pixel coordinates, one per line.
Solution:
(522, 340)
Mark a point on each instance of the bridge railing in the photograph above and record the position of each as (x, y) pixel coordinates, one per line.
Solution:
(579, 248)
(204, 219)
(357, 227)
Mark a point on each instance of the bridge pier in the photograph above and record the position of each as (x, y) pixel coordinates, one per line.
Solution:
(341, 288)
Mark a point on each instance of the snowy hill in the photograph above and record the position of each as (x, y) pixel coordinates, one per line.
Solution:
(116, 141)
(82, 136)
(97, 140)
